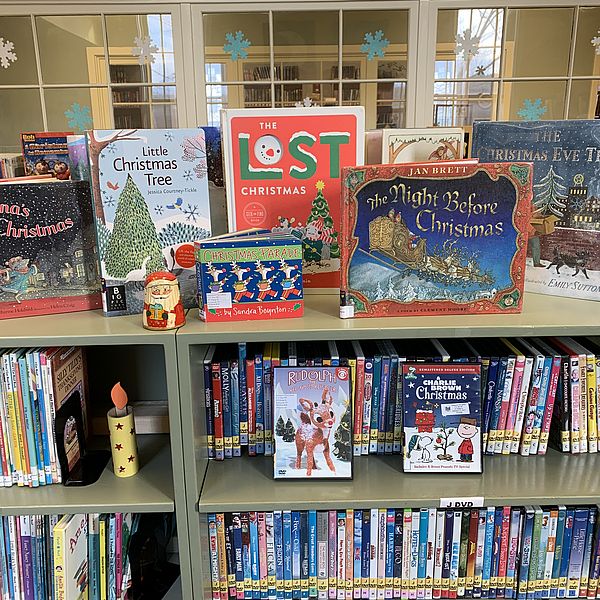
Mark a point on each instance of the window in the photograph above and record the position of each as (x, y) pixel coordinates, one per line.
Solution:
(515, 63)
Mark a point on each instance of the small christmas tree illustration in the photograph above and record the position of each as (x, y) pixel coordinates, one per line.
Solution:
(343, 437)
(550, 197)
(290, 432)
(319, 213)
(133, 237)
(443, 442)
(280, 426)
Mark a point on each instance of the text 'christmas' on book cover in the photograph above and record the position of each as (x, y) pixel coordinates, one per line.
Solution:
(434, 238)
(442, 417)
(564, 241)
(313, 422)
(283, 169)
(151, 204)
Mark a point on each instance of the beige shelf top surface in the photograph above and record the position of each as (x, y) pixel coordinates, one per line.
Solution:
(542, 315)
(150, 490)
(81, 328)
(247, 484)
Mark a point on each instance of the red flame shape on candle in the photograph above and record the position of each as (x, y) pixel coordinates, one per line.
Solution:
(119, 396)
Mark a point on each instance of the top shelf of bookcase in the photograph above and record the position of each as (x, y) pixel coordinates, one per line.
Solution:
(542, 315)
(82, 328)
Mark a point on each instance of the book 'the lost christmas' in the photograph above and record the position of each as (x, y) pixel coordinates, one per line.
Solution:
(442, 417)
(434, 238)
(283, 169)
(564, 242)
(313, 423)
(151, 204)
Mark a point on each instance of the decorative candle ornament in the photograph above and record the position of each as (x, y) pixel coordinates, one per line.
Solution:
(122, 434)
(163, 308)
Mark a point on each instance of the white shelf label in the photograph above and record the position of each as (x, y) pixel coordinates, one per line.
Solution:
(469, 502)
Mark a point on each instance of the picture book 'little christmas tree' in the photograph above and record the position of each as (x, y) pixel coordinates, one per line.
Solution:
(313, 423)
(564, 240)
(434, 238)
(283, 171)
(442, 418)
(48, 260)
(151, 204)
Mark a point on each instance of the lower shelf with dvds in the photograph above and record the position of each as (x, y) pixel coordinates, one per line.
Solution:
(247, 484)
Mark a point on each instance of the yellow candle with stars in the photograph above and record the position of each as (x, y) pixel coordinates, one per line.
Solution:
(121, 428)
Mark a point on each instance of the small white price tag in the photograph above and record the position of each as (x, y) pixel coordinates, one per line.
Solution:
(347, 312)
(469, 502)
(456, 408)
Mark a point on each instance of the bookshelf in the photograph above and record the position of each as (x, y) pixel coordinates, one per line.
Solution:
(243, 484)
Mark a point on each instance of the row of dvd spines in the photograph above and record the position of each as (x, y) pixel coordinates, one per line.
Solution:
(527, 553)
(529, 385)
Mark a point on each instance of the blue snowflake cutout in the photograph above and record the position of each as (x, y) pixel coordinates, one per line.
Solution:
(375, 45)
(78, 117)
(236, 45)
(532, 111)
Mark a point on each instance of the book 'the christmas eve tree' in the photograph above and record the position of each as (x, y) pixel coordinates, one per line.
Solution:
(284, 173)
(151, 204)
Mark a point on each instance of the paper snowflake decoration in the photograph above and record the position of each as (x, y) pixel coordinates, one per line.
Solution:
(191, 212)
(7, 55)
(467, 44)
(78, 117)
(144, 49)
(236, 44)
(480, 71)
(375, 45)
(532, 111)
(595, 42)
(307, 102)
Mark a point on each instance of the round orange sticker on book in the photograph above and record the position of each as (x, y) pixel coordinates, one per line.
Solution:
(184, 255)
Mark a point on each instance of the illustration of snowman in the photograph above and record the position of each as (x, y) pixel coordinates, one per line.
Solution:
(268, 150)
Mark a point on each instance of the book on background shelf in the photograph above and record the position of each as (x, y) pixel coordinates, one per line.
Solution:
(284, 172)
(150, 199)
(563, 257)
(249, 276)
(46, 152)
(79, 163)
(48, 256)
(71, 557)
(434, 238)
(11, 165)
(393, 146)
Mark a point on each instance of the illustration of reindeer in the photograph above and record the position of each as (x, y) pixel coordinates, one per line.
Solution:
(264, 283)
(240, 286)
(215, 285)
(315, 430)
(288, 283)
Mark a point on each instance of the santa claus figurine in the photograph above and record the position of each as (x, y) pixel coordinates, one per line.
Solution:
(162, 302)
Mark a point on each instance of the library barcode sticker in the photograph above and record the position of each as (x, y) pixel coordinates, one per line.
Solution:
(467, 502)
(218, 300)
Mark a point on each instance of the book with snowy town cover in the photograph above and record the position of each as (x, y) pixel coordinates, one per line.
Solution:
(564, 242)
(313, 422)
(151, 204)
(248, 276)
(434, 238)
(283, 170)
(48, 260)
(442, 417)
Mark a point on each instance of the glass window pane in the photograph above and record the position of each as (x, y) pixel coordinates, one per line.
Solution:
(239, 43)
(460, 103)
(140, 48)
(468, 43)
(587, 55)
(145, 107)
(71, 49)
(533, 100)
(306, 40)
(18, 67)
(235, 96)
(538, 42)
(584, 102)
(377, 41)
(21, 111)
(77, 109)
(309, 94)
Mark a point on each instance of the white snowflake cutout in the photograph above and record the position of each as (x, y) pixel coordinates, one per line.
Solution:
(595, 42)
(7, 54)
(307, 102)
(467, 44)
(144, 49)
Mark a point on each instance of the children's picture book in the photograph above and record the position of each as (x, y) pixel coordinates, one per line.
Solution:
(71, 557)
(79, 164)
(564, 243)
(434, 238)
(442, 417)
(46, 152)
(48, 256)
(283, 170)
(313, 423)
(216, 184)
(393, 146)
(247, 277)
(151, 204)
